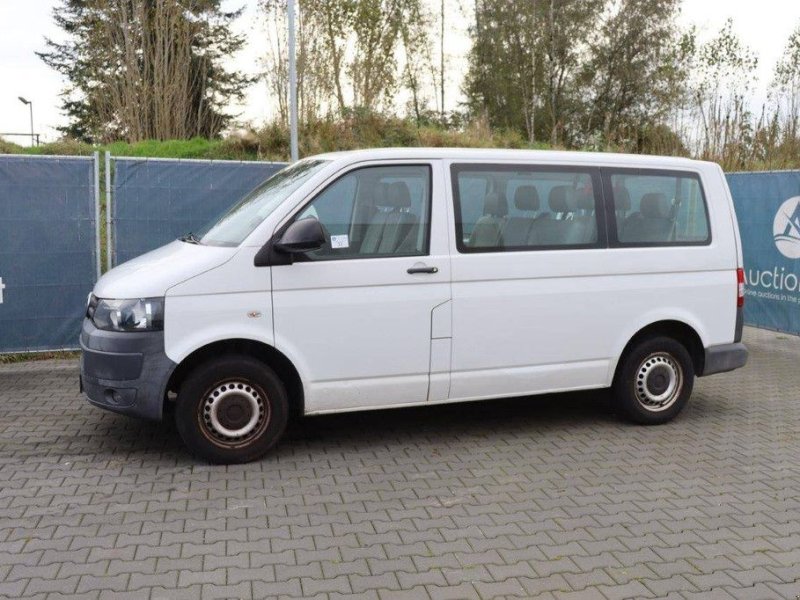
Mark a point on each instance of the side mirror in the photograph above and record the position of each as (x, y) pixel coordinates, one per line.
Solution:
(301, 236)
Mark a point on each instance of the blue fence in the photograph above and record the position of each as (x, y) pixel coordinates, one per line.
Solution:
(768, 209)
(49, 243)
(155, 201)
(48, 250)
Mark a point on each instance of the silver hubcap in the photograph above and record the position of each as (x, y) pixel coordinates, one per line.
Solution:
(659, 381)
(233, 411)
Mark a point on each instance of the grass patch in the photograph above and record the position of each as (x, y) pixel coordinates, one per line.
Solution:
(8, 359)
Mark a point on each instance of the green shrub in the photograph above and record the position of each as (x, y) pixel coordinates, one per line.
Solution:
(9, 147)
(65, 147)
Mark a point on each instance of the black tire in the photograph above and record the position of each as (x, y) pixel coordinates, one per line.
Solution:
(643, 388)
(231, 394)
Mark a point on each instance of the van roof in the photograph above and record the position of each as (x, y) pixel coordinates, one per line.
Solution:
(556, 156)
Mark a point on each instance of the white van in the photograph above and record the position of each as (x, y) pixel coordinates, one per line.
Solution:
(402, 277)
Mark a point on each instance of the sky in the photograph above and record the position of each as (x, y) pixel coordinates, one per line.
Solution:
(763, 26)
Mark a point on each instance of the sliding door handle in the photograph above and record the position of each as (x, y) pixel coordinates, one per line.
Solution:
(416, 270)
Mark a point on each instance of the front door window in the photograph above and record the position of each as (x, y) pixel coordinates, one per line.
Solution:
(374, 212)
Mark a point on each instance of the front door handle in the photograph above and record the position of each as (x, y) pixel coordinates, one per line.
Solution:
(415, 270)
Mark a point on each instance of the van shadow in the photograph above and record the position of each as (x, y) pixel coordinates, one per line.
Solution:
(369, 430)
(451, 422)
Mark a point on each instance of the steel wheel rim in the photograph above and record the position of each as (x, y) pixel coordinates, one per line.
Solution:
(658, 382)
(233, 413)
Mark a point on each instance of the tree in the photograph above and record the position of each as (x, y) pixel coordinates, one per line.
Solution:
(568, 27)
(348, 53)
(577, 72)
(724, 70)
(314, 66)
(524, 60)
(415, 36)
(146, 69)
(500, 62)
(635, 73)
(786, 86)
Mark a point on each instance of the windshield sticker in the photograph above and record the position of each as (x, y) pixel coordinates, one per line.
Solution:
(340, 241)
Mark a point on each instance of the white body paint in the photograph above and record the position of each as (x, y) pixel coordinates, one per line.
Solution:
(363, 333)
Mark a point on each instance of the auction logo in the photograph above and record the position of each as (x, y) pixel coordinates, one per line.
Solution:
(786, 228)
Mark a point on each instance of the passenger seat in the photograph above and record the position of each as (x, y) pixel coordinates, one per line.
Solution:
(516, 230)
(622, 202)
(552, 231)
(584, 228)
(488, 230)
(653, 222)
(389, 229)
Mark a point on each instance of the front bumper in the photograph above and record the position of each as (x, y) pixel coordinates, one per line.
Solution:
(725, 357)
(125, 372)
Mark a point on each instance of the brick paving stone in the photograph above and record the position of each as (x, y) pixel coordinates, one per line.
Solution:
(551, 497)
(664, 586)
(585, 594)
(414, 593)
(465, 591)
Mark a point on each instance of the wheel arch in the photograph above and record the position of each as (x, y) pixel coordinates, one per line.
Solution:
(267, 354)
(679, 331)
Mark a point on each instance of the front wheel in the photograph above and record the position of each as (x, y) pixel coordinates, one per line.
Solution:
(231, 409)
(654, 381)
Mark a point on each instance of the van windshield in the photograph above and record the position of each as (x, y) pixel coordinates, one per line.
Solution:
(235, 225)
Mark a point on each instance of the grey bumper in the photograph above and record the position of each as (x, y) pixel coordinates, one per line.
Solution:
(125, 372)
(725, 357)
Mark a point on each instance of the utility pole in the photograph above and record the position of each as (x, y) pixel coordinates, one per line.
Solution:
(292, 83)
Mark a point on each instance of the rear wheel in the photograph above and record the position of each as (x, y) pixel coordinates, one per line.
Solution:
(231, 409)
(654, 381)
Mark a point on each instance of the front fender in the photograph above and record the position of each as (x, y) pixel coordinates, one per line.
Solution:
(192, 322)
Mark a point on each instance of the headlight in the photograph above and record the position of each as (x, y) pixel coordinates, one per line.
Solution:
(140, 314)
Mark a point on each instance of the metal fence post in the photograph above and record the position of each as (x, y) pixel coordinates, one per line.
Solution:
(97, 212)
(108, 210)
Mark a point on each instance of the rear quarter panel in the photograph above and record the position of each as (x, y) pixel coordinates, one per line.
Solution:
(695, 285)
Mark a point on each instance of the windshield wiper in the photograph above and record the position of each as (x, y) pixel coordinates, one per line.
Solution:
(190, 238)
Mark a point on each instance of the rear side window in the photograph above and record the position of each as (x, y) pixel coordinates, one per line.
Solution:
(516, 207)
(659, 209)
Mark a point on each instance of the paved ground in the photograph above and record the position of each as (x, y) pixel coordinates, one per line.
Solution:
(531, 497)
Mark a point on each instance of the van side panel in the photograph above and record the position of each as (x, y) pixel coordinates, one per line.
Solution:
(550, 320)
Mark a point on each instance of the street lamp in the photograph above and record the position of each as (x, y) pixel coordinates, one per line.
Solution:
(30, 104)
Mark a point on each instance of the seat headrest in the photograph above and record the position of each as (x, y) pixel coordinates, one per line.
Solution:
(622, 198)
(495, 205)
(655, 205)
(584, 199)
(561, 199)
(397, 195)
(526, 198)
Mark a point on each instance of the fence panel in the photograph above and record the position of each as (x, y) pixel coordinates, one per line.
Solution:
(157, 200)
(48, 250)
(768, 210)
